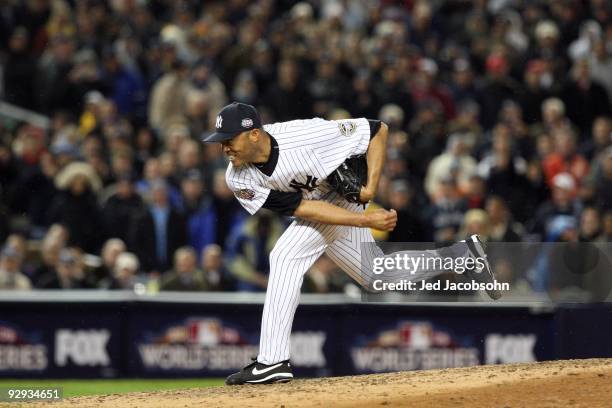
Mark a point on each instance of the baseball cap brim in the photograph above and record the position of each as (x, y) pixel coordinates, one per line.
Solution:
(218, 136)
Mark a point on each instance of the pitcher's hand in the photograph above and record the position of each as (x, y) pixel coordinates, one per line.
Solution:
(381, 219)
(366, 195)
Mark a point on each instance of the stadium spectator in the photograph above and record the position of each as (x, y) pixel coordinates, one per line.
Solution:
(221, 217)
(476, 221)
(475, 192)
(185, 275)
(250, 252)
(462, 86)
(565, 158)
(121, 207)
(153, 172)
(288, 87)
(445, 215)
(4, 220)
(363, 101)
(125, 273)
(534, 192)
(498, 87)
(157, 231)
(52, 77)
(553, 117)
(580, 48)
(600, 61)
(562, 205)
(590, 225)
(144, 149)
(327, 86)
(395, 165)
(425, 88)
(325, 277)
(125, 83)
(111, 249)
(607, 227)
(511, 115)
(11, 276)
(409, 227)
(216, 275)
(49, 257)
(502, 161)
(245, 88)
(456, 161)
(18, 243)
(34, 171)
(205, 80)
(502, 227)
(76, 206)
(168, 96)
(188, 156)
(547, 45)
(601, 138)
(192, 192)
(539, 81)
(427, 136)
(394, 116)
(584, 98)
(390, 89)
(19, 70)
(174, 135)
(466, 123)
(69, 273)
(9, 170)
(598, 184)
(506, 270)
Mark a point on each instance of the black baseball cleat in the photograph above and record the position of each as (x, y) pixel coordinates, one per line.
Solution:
(258, 373)
(482, 272)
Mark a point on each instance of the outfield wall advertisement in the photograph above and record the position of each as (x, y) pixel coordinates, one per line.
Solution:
(50, 342)
(139, 339)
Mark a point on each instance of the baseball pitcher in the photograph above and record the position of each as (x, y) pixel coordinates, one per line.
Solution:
(322, 173)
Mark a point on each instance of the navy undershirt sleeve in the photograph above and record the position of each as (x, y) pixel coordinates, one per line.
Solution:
(282, 202)
(374, 127)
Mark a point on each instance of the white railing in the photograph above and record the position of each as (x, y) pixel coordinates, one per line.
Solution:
(115, 296)
(24, 115)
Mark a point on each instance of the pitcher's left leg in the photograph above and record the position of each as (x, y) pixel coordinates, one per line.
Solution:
(294, 253)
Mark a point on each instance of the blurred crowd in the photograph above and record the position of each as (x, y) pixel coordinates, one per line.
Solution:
(499, 114)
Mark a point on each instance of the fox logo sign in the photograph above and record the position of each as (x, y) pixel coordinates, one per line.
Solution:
(504, 349)
(81, 347)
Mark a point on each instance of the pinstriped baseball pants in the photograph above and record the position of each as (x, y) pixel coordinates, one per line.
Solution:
(294, 253)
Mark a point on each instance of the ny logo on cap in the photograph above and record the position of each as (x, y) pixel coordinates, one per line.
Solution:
(219, 122)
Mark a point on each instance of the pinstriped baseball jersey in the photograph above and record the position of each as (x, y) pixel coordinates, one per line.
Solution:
(308, 151)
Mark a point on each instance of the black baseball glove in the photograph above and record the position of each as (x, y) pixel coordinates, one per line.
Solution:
(349, 177)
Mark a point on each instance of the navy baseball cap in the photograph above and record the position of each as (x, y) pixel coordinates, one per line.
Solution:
(233, 119)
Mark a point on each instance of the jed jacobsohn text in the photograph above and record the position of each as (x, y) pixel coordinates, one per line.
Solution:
(447, 285)
(412, 264)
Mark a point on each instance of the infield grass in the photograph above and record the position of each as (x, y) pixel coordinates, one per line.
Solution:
(75, 388)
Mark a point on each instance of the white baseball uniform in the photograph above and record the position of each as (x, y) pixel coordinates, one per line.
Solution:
(304, 153)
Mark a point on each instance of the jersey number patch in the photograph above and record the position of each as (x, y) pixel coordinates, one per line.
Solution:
(309, 185)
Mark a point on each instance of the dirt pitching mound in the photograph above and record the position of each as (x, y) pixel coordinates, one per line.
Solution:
(571, 383)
